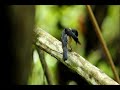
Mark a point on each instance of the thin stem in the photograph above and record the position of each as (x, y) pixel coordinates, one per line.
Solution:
(45, 67)
(104, 46)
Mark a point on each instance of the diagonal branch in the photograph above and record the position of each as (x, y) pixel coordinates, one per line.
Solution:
(75, 62)
(104, 46)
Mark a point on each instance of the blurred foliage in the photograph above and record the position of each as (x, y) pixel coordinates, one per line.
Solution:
(111, 24)
(37, 76)
(53, 18)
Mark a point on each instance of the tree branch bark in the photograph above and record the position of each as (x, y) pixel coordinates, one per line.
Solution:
(75, 62)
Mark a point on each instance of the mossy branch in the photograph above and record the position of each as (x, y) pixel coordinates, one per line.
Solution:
(75, 62)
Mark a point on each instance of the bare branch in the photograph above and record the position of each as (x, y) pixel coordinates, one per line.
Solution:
(104, 46)
(75, 62)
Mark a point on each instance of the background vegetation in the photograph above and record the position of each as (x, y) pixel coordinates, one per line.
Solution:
(54, 18)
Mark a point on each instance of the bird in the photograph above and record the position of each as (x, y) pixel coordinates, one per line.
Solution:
(66, 38)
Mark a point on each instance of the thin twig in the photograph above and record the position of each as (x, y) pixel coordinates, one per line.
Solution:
(104, 46)
(75, 62)
(45, 67)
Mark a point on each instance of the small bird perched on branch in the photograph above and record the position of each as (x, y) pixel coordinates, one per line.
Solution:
(67, 35)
